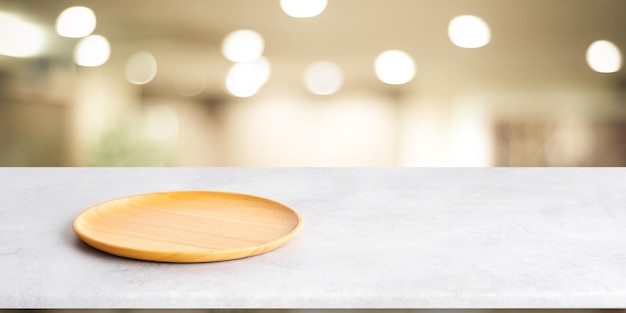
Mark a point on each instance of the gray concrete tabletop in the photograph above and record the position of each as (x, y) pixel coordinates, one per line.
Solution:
(372, 238)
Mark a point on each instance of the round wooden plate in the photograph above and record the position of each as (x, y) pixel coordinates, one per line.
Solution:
(187, 226)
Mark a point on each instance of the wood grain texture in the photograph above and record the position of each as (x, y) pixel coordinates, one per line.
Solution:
(187, 226)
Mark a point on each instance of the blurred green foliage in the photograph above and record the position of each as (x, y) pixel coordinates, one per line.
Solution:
(124, 147)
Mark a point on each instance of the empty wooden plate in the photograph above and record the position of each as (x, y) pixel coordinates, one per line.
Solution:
(187, 226)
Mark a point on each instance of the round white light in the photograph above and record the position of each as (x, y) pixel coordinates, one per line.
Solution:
(76, 22)
(323, 78)
(141, 68)
(394, 67)
(468, 31)
(191, 82)
(303, 8)
(92, 51)
(243, 46)
(604, 57)
(19, 38)
(244, 80)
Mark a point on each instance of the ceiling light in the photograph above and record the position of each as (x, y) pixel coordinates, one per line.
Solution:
(191, 81)
(244, 80)
(141, 68)
(92, 51)
(394, 67)
(243, 46)
(76, 22)
(604, 57)
(303, 8)
(323, 78)
(19, 38)
(468, 31)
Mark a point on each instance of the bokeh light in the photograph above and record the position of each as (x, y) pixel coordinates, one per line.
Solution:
(141, 68)
(190, 81)
(303, 8)
(468, 31)
(76, 22)
(604, 57)
(323, 78)
(244, 80)
(394, 67)
(92, 51)
(324, 89)
(243, 46)
(19, 38)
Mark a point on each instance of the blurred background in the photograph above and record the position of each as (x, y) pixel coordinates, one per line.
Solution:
(312, 83)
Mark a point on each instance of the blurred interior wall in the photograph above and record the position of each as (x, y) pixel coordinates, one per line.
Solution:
(53, 113)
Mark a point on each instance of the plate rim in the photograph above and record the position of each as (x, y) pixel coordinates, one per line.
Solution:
(195, 256)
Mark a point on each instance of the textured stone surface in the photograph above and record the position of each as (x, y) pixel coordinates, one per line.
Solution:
(492, 237)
